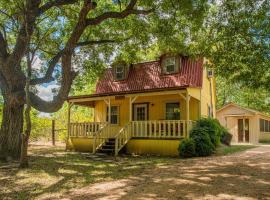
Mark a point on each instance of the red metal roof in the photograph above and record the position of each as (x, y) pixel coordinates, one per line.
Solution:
(148, 76)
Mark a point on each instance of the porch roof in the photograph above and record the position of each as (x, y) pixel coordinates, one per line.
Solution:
(89, 100)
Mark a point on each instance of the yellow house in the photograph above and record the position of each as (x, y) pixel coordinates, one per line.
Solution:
(144, 108)
(245, 124)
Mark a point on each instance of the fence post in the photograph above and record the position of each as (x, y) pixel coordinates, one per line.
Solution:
(53, 132)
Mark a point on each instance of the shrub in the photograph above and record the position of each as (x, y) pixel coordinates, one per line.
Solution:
(214, 129)
(203, 144)
(186, 148)
(226, 137)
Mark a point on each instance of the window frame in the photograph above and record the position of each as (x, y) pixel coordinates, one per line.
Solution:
(167, 63)
(264, 125)
(123, 67)
(172, 102)
(117, 115)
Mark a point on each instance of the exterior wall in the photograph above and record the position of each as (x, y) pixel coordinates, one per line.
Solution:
(153, 147)
(156, 108)
(232, 122)
(208, 95)
(263, 136)
(80, 144)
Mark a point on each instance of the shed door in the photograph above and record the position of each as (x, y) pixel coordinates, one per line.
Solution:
(243, 130)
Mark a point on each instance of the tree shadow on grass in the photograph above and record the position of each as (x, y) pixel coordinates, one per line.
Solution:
(55, 174)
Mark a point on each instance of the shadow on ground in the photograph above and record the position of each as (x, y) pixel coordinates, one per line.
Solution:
(56, 174)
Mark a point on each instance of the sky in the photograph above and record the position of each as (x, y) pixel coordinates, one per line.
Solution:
(44, 90)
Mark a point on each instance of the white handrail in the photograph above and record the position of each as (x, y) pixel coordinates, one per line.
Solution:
(100, 137)
(122, 138)
(85, 129)
(161, 129)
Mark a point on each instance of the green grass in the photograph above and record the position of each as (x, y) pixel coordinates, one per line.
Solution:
(225, 150)
(54, 171)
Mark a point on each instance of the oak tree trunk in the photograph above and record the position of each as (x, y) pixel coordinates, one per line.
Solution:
(10, 133)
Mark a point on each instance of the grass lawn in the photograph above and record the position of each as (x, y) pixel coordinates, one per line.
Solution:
(225, 150)
(52, 170)
(55, 173)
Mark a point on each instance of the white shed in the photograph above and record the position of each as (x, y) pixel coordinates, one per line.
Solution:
(246, 125)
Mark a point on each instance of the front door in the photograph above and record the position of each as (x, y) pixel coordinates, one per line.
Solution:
(243, 130)
(140, 112)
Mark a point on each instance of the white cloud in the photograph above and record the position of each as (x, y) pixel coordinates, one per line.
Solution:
(45, 92)
(37, 63)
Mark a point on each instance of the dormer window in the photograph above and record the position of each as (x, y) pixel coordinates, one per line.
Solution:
(120, 72)
(170, 65)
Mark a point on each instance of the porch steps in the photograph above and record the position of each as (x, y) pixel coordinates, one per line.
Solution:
(108, 147)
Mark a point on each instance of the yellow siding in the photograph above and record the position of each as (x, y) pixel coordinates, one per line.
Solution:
(153, 147)
(156, 108)
(80, 144)
(206, 94)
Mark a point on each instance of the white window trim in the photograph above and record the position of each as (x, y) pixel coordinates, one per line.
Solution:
(165, 107)
(122, 71)
(166, 65)
(118, 114)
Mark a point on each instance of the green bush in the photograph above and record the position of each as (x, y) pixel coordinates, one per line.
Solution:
(186, 148)
(214, 129)
(226, 137)
(203, 144)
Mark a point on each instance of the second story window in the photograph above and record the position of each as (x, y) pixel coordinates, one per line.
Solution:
(170, 65)
(119, 72)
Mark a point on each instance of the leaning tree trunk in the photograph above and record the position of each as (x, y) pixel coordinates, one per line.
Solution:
(10, 133)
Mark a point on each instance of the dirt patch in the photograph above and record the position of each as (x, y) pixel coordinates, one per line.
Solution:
(56, 174)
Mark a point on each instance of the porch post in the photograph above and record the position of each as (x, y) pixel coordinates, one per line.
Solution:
(69, 114)
(131, 101)
(187, 113)
(130, 109)
(109, 111)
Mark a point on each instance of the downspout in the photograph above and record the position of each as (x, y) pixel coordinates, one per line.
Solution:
(211, 98)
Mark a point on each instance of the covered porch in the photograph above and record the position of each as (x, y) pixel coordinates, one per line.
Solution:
(167, 115)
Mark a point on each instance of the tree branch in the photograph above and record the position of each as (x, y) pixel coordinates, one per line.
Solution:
(55, 3)
(26, 30)
(48, 75)
(94, 42)
(118, 15)
(3, 46)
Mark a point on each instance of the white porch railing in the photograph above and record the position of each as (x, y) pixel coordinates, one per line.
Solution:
(161, 128)
(85, 129)
(101, 137)
(122, 138)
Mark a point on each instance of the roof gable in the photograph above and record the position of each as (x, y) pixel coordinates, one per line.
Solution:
(148, 76)
(234, 109)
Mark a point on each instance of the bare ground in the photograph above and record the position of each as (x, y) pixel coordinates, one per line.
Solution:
(244, 175)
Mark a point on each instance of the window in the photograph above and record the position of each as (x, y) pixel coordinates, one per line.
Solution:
(264, 125)
(173, 111)
(170, 65)
(119, 72)
(114, 114)
(261, 125)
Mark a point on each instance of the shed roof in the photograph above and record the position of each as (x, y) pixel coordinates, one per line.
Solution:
(243, 108)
